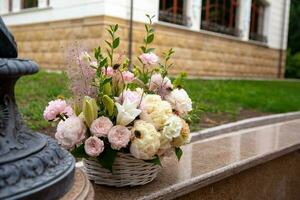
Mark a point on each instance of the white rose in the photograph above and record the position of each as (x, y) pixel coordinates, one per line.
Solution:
(70, 132)
(146, 141)
(180, 101)
(172, 127)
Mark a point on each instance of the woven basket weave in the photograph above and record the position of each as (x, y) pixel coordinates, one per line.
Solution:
(127, 171)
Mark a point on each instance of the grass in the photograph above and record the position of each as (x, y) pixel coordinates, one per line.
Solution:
(222, 98)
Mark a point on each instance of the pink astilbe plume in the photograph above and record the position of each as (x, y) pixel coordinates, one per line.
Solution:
(80, 74)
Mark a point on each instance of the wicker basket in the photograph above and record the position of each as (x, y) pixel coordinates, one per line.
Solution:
(127, 171)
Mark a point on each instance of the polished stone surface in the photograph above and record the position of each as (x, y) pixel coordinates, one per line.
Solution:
(278, 179)
(207, 161)
(81, 188)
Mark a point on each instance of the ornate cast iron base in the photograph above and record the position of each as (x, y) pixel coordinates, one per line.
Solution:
(32, 165)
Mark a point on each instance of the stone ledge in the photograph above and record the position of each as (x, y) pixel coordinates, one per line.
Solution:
(243, 124)
(211, 160)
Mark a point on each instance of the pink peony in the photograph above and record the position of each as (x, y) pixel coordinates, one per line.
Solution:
(149, 58)
(93, 146)
(130, 96)
(70, 132)
(109, 71)
(128, 77)
(119, 136)
(159, 85)
(56, 108)
(101, 126)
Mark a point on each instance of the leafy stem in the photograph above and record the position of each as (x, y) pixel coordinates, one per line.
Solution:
(114, 43)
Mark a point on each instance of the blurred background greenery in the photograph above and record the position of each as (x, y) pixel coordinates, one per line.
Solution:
(293, 53)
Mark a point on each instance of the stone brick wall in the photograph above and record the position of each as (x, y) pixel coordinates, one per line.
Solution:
(197, 53)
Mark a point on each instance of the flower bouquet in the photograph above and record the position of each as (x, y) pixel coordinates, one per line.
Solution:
(122, 120)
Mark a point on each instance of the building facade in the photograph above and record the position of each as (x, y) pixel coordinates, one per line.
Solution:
(224, 38)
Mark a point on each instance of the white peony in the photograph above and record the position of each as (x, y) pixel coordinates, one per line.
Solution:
(172, 127)
(70, 132)
(146, 140)
(127, 112)
(155, 110)
(180, 101)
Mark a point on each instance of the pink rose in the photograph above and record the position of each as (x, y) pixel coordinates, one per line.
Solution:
(119, 136)
(70, 132)
(159, 85)
(56, 108)
(93, 146)
(101, 126)
(149, 58)
(109, 71)
(128, 77)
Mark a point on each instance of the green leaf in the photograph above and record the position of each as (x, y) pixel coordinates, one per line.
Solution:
(108, 43)
(149, 50)
(116, 42)
(79, 152)
(107, 158)
(146, 27)
(155, 160)
(110, 32)
(103, 62)
(150, 38)
(178, 152)
(116, 27)
(143, 49)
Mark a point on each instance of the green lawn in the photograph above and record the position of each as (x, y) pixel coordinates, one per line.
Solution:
(218, 100)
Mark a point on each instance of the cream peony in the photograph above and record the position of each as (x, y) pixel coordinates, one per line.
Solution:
(70, 132)
(146, 141)
(180, 101)
(93, 146)
(155, 110)
(101, 126)
(119, 137)
(184, 136)
(172, 127)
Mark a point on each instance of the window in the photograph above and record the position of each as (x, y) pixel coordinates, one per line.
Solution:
(173, 11)
(29, 4)
(257, 21)
(220, 16)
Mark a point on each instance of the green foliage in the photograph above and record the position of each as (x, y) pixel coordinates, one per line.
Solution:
(79, 152)
(107, 157)
(178, 152)
(178, 81)
(166, 66)
(155, 160)
(294, 27)
(149, 36)
(113, 44)
(292, 60)
(292, 65)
